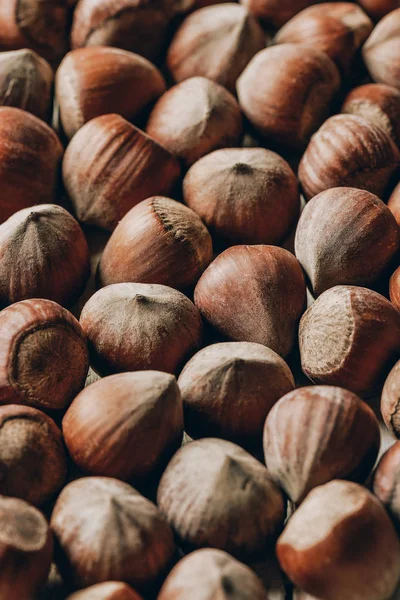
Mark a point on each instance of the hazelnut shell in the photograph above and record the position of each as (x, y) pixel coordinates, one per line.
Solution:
(109, 590)
(390, 401)
(275, 13)
(394, 203)
(381, 52)
(385, 484)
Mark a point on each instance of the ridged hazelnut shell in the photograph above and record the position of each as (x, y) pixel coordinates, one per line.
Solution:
(158, 241)
(254, 294)
(110, 590)
(244, 195)
(110, 166)
(378, 8)
(381, 52)
(316, 434)
(195, 117)
(390, 401)
(138, 326)
(394, 203)
(350, 337)
(348, 151)
(386, 482)
(275, 13)
(215, 494)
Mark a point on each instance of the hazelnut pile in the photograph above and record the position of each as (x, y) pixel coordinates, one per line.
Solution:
(199, 300)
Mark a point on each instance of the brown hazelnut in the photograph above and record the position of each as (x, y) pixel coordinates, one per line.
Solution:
(386, 482)
(229, 388)
(378, 8)
(394, 288)
(30, 155)
(110, 166)
(275, 13)
(109, 590)
(215, 42)
(43, 355)
(58, 266)
(95, 81)
(381, 51)
(345, 236)
(215, 494)
(394, 203)
(158, 241)
(337, 28)
(378, 103)
(350, 337)
(137, 326)
(248, 195)
(351, 152)
(195, 117)
(315, 434)
(105, 530)
(212, 575)
(390, 401)
(340, 543)
(32, 456)
(125, 425)
(254, 294)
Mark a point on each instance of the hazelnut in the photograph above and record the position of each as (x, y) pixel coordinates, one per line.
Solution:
(345, 236)
(228, 389)
(337, 28)
(378, 8)
(95, 81)
(215, 494)
(30, 156)
(340, 543)
(394, 288)
(248, 195)
(136, 326)
(275, 13)
(158, 241)
(26, 548)
(315, 434)
(105, 530)
(43, 355)
(58, 266)
(110, 590)
(381, 52)
(110, 166)
(394, 203)
(386, 482)
(390, 401)
(350, 337)
(351, 152)
(210, 575)
(195, 117)
(32, 456)
(269, 293)
(215, 42)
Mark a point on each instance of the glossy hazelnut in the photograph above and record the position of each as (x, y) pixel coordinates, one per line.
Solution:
(345, 236)
(229, 388)
(394, 288)
(286, 93)
(158, 241)
(109, 590)
(275, 13)
(215, 42)
(350, 337)
(95, 81)
(386, 482)
(390, 401)
(348, 151)
(215, 494)
(381, 52)
(394, 203)
(316, 434)
(138, 326)
(195, 117)
(210, 574)
(248, 195)
(378, 8)
(43, 355)
(268, 288)
(105, 530)
(110, 166)
(340, 543)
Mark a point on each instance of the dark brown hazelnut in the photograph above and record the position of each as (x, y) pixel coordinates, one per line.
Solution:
(286, 93)
(210, 574)
(378, 8)
(158, 241)
(390, 401)
(139, 326)
(350, 337)
(195, 117)
(215, 494)
(32, 456)
(351, 152)
(275, 13)
(43, 355)
(337, 28)
(215, 42)
(110, 166)
(345, 236)
(248, 195)
(254, 294)
(340, 543)
(95, 81)
(30, 155)
(386, 482)
(394, 288)
(381, 51)
(394, 203)
(228, 389)
(109, 590)
(315, 434)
